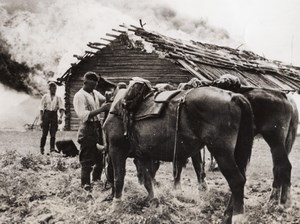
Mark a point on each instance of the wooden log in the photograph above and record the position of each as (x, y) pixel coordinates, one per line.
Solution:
(119, 31)
(90, 52)
(111, 35)
(105, 39)
(78, 57)
(97, 44)
(136, 27)
(94, 47)
(192, 70)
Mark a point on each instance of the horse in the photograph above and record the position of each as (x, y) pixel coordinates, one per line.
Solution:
(276, 120)
(209, 116)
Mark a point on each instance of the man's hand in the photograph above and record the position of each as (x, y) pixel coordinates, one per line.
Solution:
(60, 120)
(41, 123)
(106, 107)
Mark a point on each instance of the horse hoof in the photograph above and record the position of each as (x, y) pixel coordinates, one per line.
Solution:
(156, 183)
(109, 198)
(238, 219)
(116, 205)
(287, 204)
(227, 220)
(154, 203)
(285, 199)
(275, 194)
(202, 187)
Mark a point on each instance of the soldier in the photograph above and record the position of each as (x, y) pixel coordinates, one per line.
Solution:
(88, 104)
(50, 104)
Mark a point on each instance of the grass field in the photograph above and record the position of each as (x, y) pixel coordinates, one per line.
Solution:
(46, 189)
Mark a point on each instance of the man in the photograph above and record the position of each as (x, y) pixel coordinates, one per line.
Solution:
(88, 104)
(49, 120)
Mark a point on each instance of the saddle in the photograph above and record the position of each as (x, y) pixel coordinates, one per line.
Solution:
(154, 104)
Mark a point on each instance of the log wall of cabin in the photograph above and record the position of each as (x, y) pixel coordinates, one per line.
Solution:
(118, 63)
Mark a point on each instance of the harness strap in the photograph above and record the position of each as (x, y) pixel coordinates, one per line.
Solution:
(203, 163)
(178, 110)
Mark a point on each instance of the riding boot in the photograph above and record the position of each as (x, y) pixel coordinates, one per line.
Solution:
(52, 144)
(42, 144)
(97, 171)
(86, 176)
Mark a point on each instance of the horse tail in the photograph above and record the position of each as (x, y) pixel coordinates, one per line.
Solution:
(292, 131)
(243, 148)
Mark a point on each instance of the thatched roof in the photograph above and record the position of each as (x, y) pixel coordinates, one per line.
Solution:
(206, 61)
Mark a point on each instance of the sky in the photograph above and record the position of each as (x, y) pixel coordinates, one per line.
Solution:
(47, 33)
(267, 27)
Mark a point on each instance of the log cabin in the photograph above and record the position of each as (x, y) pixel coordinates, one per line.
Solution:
(134, 51)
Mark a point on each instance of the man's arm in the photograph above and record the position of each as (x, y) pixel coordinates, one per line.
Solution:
(104, 108)
(42, 104)
(61, 110)
(41, 117)
(61, 114)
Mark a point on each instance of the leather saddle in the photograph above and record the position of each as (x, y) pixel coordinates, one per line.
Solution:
(154, 104)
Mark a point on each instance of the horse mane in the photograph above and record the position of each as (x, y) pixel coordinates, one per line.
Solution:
(116, 106)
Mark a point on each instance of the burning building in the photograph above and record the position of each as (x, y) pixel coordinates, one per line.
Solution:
(134, 51)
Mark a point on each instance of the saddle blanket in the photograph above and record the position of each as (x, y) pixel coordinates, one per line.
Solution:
(165, 96)
(153, 105)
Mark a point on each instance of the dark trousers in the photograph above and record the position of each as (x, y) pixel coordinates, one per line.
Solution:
(91, 161)
(50, 124)
(90, 158)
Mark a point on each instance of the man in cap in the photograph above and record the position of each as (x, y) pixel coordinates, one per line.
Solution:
(88, 104)
(50, 104)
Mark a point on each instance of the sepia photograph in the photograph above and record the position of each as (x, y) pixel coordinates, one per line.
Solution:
(149, 112)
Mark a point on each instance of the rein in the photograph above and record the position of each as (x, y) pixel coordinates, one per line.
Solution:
(178, 113)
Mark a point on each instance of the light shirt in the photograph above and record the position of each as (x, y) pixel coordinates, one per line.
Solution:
(51, 104)
(85, 102)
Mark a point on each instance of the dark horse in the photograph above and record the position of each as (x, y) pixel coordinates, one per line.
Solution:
(276, 120)
(209, 116)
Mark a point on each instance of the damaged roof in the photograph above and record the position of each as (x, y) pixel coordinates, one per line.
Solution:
(205, 61)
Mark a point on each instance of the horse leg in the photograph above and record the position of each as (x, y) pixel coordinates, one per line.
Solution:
(154, 167)
(236, 181)
(119, 161)
(213, 166)
(199, 170)
(146, 169)
(281, 169)
(290, 139)
(177, 169)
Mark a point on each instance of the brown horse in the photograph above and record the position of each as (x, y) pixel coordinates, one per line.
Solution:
(204, 116)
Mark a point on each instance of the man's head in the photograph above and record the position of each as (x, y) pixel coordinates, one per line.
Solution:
(90, 81)
(52, 88)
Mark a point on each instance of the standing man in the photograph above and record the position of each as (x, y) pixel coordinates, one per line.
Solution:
(88, 104)
(49, 120)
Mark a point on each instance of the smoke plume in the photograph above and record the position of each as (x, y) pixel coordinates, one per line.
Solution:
(45, 34)
(39, 38)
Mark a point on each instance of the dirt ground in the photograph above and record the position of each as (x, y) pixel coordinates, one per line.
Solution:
(46, 189)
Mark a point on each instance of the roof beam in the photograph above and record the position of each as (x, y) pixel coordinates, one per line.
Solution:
(191, 70)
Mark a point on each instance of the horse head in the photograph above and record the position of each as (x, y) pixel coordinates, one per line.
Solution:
(137, 91)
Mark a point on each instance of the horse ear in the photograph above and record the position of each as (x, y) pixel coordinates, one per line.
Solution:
(105, 85)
